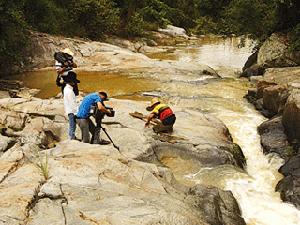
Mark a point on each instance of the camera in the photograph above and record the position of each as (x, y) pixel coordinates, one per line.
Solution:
(94, 111)
(112, 112)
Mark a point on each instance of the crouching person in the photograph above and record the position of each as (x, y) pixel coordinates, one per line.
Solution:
(70, 104)
(164, 113)
(83, 116)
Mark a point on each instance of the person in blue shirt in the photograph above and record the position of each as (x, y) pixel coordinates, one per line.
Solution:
(83, 115)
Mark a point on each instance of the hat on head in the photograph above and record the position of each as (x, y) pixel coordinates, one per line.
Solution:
(68, 51)
(153, 102)
(71, 78)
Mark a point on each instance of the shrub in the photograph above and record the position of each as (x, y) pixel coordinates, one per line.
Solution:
(93, 18)
(205, 25)
(13, 35)
(135, 25)
(295, 38)
(45, 16)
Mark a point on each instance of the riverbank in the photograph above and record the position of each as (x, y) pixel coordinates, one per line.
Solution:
(203, 159)
(276, 96)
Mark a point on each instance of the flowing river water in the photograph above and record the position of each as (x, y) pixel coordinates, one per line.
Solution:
(255, 189)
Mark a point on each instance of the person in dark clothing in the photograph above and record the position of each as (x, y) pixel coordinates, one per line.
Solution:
(65, 69)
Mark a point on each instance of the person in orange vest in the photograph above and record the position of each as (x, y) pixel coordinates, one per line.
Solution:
(162, 112)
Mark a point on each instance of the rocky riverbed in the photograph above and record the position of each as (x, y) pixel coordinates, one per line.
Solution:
(276, 95)
(47, 179)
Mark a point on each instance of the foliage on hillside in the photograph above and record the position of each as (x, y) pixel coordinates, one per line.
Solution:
(130, 18)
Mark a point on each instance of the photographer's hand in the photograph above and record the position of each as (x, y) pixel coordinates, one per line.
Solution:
(102, 108)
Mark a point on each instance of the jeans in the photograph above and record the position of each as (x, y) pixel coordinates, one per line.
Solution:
(72, 126)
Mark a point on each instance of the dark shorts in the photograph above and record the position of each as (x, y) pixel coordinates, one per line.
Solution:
(169, 121)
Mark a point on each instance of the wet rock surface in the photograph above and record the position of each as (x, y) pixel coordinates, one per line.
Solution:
(46, 179)
(275, 52)
(291, 117)
(289, 185)
(103, 57)
(277, 96)
(273, 138)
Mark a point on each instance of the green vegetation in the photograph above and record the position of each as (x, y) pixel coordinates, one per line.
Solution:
(43, 165)
(131, 18)
(12, 34)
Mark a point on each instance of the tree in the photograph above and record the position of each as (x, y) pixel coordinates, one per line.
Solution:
(13, 34)
(253, 17)
(93, 18)
(45, 16)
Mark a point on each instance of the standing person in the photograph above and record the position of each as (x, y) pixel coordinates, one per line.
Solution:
(70, 104)
(83, 116)
(164, 113)
(65, 68)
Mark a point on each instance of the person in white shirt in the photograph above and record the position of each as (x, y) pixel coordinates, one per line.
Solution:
(70, 104)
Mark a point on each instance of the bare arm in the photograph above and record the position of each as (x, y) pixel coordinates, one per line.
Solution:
(102, 108)
(149, 118)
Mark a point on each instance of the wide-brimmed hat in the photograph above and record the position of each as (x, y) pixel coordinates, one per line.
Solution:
(68, 51)
(71, 78)
(153, 102)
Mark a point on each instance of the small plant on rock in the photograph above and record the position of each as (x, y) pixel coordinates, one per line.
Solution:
(43, 165)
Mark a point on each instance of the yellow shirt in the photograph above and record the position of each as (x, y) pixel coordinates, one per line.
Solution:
(158, 108)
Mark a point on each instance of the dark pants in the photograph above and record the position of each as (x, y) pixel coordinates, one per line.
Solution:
(166, 126)
(86, 126)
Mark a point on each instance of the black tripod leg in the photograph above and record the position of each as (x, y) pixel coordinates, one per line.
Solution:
(116, 147)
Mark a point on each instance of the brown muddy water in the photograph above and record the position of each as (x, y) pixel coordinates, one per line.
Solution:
(117, 85)
(223, 98)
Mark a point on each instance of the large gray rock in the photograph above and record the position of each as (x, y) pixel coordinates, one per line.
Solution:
(95, 183)
(173, 31)
(275, 52)
(273, 138)
(291, 117)
(282, 76)
(12, 119)
(274, 98)
(214, 144)
(289, 186)
(77, 183)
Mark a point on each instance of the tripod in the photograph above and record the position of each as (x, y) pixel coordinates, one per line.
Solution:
(104, 130)
(96, 134)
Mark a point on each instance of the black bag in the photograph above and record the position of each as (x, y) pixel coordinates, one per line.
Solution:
(63, 58)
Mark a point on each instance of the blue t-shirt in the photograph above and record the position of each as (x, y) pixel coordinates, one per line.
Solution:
(87, 102)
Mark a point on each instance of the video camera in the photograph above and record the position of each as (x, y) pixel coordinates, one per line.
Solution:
(95, 112)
